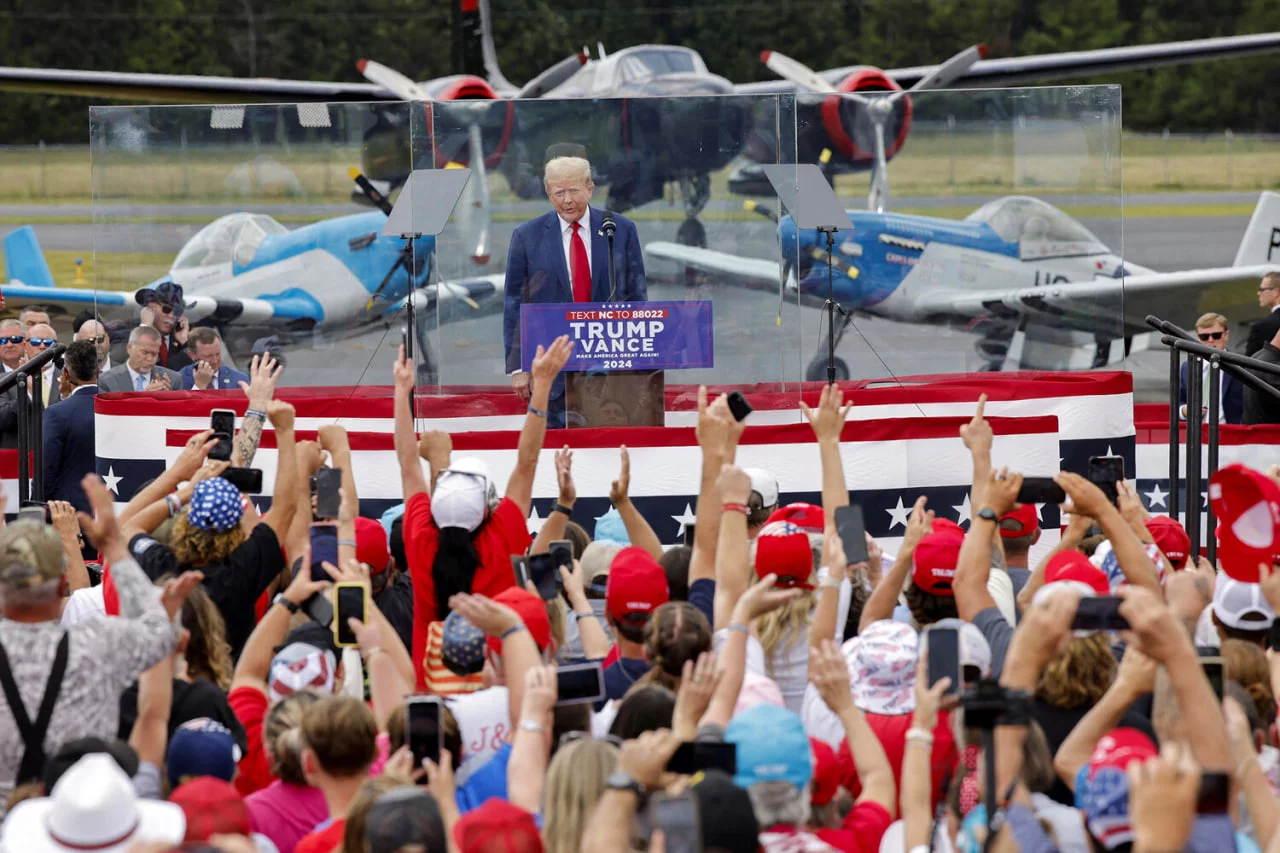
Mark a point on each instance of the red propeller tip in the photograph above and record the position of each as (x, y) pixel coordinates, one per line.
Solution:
(982, 51)
(764, 56)
(480, 260)
(360, 64)
(583, 58)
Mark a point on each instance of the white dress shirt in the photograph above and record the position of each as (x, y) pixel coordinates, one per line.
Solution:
(566, 237)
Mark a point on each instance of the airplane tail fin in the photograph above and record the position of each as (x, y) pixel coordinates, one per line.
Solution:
(23, 260)
(1261, 243)
(489, 53)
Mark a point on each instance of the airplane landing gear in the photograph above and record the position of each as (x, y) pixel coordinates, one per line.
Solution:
(696, 192)
(816, 370)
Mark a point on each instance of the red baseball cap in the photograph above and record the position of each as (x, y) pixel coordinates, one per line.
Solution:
(212, 807)
(637, 585)
(826, 772)
(787, 555)
(532, 611)
(807, 517)
(497, 827)
(934, 561)
(1074, 566)
(371, 545)
(1119, 748)
(1025, 517)
(1171, 538)
(1247, 505)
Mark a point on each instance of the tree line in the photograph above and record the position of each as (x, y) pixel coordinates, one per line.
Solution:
(323, 39)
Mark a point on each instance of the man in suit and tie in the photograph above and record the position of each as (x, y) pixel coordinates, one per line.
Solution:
(39, 337)
(562, 256)
(1212, 330)
(1262, 331)
(208, 372)
(69, 451)
(140, 372)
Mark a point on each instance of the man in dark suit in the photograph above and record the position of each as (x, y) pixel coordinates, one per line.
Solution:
(562, 256)
(68, 428)
(1212, 331)
(1262, 331)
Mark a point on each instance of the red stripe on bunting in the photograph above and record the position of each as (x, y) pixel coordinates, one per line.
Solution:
(9, 464)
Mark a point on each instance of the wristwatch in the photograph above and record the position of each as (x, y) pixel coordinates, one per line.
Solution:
(280, 599)
(989, 514)
(621, 781)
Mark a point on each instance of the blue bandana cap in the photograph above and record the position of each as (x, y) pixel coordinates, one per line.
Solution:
(215, 505)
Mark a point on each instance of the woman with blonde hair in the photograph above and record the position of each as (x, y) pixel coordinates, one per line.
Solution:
(574, 784)
(288, 808)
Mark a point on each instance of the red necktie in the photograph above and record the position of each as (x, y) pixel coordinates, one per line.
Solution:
(164, 352)
(579, 267)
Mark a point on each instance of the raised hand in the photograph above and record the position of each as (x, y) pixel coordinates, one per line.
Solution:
(827, 420)
(833, 556)
(977, 434)
(734, 485)
(333, 437)
(403, 373)
(830, 674)
(102, 528)
(436, 446)
(547, 363)
(62, 516)
(263, 373)
(717, 428)
(281, 414)
(619, 490)
(645, 758)
(539, 692)
(493, 618)
(1152, 626)
(698, 682)
(310, 457)
(203, 375)
(193, 454)
(175, 592)
(1002, 490)
(564, 476)
(919, 524)
(1085, 497)
(761, 598)
(1129, 504)
(1162, 798)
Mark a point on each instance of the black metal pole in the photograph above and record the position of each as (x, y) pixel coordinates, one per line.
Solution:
(1195, 398)
(1215, 382)
(1175, 379)
(24, 441)
(831, 307)
(613, 276)
(37, 436)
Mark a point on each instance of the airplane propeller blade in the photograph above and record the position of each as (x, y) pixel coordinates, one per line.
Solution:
(369, 191)
(946, 73)
(553, 76)
(796, 72)
(878, 198)
(393, 81)
(764, 210)
(600, 50)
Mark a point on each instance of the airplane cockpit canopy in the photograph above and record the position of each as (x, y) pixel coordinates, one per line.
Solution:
(1040, 229)
(235, 237)
(630, 67)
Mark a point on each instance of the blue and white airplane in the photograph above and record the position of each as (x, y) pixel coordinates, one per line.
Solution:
(1039, 287)
(252, 277)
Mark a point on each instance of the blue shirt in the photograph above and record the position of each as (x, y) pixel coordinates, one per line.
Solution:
(226, 378)
(621, 674)
(488, 781)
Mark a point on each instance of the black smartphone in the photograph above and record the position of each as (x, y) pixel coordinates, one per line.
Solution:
(246, 480)
(738, 405)
(324, 549)
(328, 501)
(1041, 490)
(353, 603)
(688, 535)
(580, 683)
(520, 568)
(1273, 639)
(545, 575)
(944, 658)
(678, 818)
(1105, 472)
(694, 756)
(1215, 793)
(852, 529)
(562, 553)
(1213, 671)
(320, 609)
(422, 723)
(1101, 613)
(223, 424)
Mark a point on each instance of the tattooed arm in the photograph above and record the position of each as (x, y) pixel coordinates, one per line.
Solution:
(263, 374)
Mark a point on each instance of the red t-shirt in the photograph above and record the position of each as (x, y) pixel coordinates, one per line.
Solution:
(892, 732)
(324, 840)
(861, 832)
(503, 533)
(249, 704)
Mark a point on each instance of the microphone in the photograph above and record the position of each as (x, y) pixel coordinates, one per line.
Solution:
(607, 226)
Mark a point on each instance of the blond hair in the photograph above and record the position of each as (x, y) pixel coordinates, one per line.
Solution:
(1211, 319)
(567, 168)
(1080, 675)
(575, 781)
(790, 622)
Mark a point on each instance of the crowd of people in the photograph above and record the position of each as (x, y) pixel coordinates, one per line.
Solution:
(758, 691)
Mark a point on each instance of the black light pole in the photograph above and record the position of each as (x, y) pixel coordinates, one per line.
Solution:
(830, 306)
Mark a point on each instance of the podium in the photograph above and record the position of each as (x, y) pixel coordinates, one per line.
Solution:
(616, 376)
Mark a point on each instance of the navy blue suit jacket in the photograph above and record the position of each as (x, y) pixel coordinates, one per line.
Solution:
(537, 272)
(69, 451)
(1232, 396)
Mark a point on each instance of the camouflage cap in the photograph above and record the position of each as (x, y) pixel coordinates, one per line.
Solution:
(30, 554)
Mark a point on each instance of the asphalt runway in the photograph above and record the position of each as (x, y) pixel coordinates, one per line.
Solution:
(751, 344)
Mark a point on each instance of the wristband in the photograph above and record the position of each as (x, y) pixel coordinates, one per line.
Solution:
(255, 413)
(559, 507)
(514, 629)
(738, 626)
(537, 412)
(580, 616)
(531, 726)
(174, 503)
(923, 736)
(350, 543)
(732, 507)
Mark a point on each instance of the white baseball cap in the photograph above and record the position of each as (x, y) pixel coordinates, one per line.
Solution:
(461, 495)
(1241, 605)
(765, 484)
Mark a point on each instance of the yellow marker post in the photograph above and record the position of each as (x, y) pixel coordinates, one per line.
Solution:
(80, 272)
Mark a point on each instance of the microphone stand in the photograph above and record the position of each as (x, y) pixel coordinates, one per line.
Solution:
(607, 228)
(830, 308)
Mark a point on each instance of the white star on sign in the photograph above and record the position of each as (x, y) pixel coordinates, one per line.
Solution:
(686, 518)
(1040, 512)
(965, 510)
(112, 481)
(1156, 496)
(899, 514)
(534, 522)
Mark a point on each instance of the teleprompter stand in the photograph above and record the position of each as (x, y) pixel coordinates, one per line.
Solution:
(806, 195)
(422, 208)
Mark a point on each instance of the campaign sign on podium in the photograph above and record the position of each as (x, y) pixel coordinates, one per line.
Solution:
(615, 375)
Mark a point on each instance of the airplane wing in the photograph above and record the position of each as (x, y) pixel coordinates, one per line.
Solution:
(750, 272)
(1096, 305)
(1047, 67)
(182, 88)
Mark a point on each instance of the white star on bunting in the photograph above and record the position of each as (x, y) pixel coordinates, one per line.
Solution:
(964, 510)
(685, 519)
(899, 514)
(1156, 496)
(112, 481)
(534, 522)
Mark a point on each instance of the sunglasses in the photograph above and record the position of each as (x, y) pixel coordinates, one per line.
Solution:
(164, 309)
(1210, 336)
(572, 737)
(43, 342)
(1261, 289)
(97, 339)
(12, 339)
